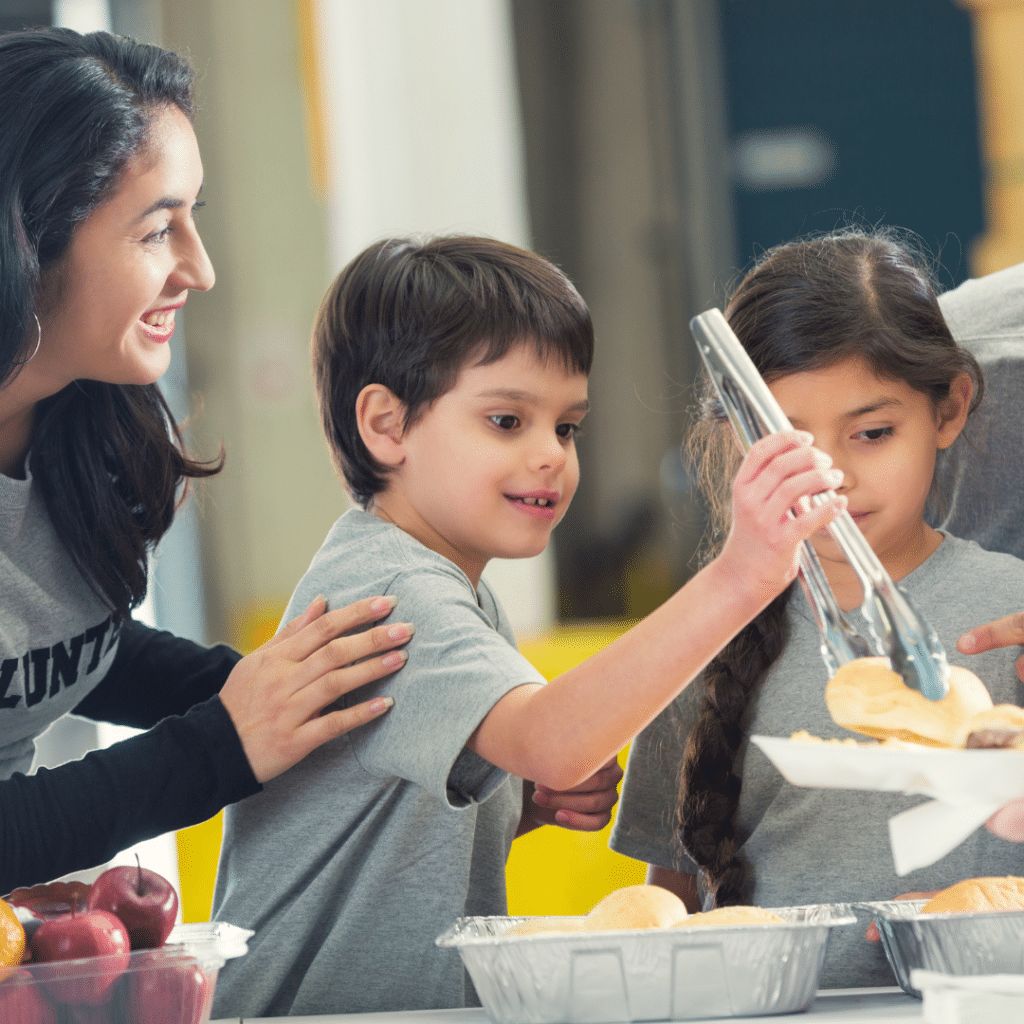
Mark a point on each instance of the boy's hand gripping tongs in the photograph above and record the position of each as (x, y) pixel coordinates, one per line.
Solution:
(898, 631)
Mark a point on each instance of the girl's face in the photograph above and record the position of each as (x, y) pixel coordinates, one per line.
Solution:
(107, 311)
(884, 436)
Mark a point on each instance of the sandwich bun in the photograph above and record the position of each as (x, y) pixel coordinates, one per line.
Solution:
(978, 896)
(867, 696)
(1001, 726)
(733, 915)
(636, 906)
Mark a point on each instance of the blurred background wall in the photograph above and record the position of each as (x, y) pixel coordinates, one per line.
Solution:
(651, 148)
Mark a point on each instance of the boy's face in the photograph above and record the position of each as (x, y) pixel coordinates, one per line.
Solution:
(490, 468)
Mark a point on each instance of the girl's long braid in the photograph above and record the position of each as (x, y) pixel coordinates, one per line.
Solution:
(709, 788)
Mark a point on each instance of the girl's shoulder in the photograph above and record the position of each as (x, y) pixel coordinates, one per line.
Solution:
(963, 553)
(966, 571)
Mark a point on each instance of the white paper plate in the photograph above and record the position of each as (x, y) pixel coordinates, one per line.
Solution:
(961, 777)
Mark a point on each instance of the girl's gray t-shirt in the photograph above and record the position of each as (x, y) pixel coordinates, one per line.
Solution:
(818, 845)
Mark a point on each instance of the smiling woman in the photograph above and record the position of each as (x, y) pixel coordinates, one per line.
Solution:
(143, 239)
(100, 175)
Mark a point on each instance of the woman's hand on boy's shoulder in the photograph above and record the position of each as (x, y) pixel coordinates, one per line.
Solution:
(277, 695)
(584, 808)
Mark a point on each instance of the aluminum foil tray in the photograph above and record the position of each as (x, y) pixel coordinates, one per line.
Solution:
(647, 975)
(957, 944)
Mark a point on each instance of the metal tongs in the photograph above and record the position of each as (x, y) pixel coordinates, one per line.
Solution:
(898, 631)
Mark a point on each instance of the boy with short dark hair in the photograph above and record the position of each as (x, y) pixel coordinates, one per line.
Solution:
(452, 378)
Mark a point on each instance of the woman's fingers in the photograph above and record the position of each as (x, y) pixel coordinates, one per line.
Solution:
(326, 687)
(309, 636)
(345, 650)
(319, 730)
(275, 696)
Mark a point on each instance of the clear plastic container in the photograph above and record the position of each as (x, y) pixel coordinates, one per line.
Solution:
(170, 985)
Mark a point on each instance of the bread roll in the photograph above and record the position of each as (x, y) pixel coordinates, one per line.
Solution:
(978, 896)
(868, 697)
(636, 906)
(733, 915)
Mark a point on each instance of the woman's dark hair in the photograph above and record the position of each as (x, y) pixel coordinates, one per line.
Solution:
(805, 305)
(74, 109)
(409, 315)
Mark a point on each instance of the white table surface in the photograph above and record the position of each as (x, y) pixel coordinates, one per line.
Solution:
(863, 1006)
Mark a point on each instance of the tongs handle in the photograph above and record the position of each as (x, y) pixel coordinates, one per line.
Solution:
(898, 630)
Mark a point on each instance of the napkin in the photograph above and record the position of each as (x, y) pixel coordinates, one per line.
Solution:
(926, 833)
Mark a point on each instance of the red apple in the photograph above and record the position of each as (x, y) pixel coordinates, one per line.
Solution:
(102, 1014)
(95, 934)
(165, 987)
(145, 901)
(21, 1002)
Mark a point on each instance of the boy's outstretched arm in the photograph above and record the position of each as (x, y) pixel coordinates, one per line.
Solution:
(584, 808)
(560, 734)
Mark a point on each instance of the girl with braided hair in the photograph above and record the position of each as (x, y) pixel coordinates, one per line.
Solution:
(848, 334)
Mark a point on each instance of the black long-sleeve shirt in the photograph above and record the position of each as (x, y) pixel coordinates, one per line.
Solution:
(185, 768)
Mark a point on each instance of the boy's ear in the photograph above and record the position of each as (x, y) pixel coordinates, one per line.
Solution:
(380, 415)
(953, 411)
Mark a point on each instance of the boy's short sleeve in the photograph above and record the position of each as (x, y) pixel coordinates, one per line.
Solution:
(459, 666)
(462, 659)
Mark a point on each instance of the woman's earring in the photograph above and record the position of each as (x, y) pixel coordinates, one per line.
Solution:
(39, 340)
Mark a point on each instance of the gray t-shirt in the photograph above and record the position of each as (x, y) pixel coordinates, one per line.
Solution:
(57, 638)
(980, 476)
(349, 865)
(818, 845)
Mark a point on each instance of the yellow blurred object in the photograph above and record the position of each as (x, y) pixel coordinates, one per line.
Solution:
(257, 624)
(198, 851)
(551, 870)
(12, 939)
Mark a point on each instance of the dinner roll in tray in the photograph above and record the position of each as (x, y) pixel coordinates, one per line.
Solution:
(641, 907)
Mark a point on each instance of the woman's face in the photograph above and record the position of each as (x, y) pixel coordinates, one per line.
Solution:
(108, 307)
